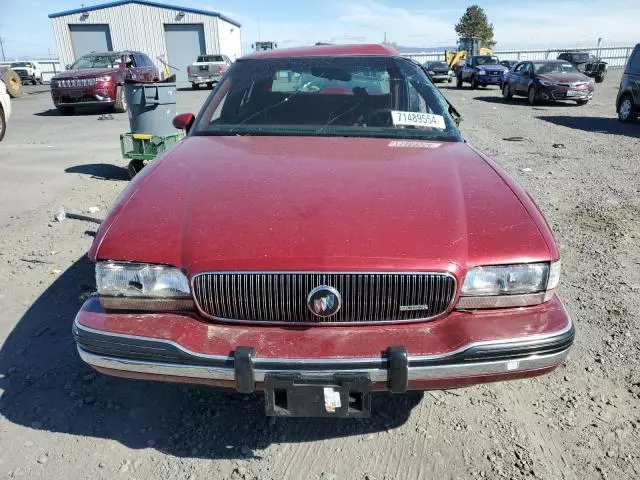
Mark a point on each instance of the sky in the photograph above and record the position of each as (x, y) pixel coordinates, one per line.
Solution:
(26, 29)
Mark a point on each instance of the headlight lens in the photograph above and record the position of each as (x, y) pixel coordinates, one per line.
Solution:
(545, 83)
(104, 79)
(141, 286)
(482, 72)
(509, 285)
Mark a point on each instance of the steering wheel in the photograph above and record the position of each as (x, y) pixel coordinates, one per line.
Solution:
(376, 118)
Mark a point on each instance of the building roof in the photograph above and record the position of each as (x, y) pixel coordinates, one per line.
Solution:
(117, 3)
(327, 50)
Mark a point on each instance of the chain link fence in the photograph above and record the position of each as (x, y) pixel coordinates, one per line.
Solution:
(616, 57)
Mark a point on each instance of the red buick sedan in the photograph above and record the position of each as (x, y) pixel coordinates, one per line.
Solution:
(324, 231)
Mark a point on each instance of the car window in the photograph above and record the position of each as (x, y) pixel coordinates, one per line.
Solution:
(542, 68)
(97, 61)
(634, 62)
(337, 96)
(519, 68)
(211, 58)
(487, 60)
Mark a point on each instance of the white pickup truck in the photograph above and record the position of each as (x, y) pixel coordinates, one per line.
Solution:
(208, 69)
(28, 71)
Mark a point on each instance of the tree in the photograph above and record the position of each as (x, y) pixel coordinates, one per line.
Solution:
(474, 23)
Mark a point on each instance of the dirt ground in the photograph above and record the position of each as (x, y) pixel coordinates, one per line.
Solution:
(59, 420)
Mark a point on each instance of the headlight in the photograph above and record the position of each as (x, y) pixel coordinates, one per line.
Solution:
(431, 72)
(451, 72)
(545, 83)
(104, 79)
(141, 286)
(509, 285)
(482, 72)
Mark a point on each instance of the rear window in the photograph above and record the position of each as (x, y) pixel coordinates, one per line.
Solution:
(210, 58)
(328, 96)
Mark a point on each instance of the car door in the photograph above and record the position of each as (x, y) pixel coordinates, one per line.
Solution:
(517, 80)
(151, 69)
(468, 69)
(633, 76)
(525, 78)
(142, 67)
(513, 77)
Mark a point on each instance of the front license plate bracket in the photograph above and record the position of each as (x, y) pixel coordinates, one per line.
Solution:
(290, 395)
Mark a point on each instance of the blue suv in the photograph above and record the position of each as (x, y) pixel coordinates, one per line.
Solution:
(480, 71)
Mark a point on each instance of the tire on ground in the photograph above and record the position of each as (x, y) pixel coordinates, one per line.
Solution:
(3, 124)
(14, 84)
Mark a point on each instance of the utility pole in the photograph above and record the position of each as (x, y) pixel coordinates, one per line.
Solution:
(2, 50)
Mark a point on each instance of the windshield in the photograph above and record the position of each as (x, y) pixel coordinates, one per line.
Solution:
(20, 64)
(487, 60)
(582, 57)
(436, 65)
(210, 58)
(97, 61)
(328, 96)
(543, 68)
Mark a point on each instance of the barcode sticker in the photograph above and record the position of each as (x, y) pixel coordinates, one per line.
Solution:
(416, 119)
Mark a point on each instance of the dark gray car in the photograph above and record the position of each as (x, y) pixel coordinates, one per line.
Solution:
(628, 101)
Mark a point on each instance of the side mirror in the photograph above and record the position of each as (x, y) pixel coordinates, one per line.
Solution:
(67, 67)
(526, 73)
(183, 121)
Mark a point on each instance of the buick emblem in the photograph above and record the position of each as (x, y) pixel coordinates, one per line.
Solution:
(324, 301)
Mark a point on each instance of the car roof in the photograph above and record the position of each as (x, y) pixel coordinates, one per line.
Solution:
(326, 50)
(119, 52)
(546, 61)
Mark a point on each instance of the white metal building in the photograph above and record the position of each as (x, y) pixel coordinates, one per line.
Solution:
(180, 34)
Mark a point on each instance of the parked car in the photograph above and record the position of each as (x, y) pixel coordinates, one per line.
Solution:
(628, 101)
(480, 71)
(98, 79)
(439, 71)
(5, 107)
(322, 244)
(207, 69)
(28, 71)
(586, 63)
(547, 80)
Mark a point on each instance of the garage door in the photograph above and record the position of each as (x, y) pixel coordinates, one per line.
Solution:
(90, 38)
(184, 44)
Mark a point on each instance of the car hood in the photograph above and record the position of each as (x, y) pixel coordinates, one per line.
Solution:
(312, 203)
(564, 77)
(85, 73)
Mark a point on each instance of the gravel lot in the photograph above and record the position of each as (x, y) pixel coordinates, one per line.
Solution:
(60, 420)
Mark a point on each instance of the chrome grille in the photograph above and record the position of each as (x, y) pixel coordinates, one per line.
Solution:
(282, 297)
(75, 82)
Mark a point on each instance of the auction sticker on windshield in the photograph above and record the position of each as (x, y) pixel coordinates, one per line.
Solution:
(416, 119)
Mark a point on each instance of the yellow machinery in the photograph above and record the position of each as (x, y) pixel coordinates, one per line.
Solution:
(466, 46)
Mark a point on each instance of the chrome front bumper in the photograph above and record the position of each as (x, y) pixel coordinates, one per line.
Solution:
(143, 355)
(198, 79)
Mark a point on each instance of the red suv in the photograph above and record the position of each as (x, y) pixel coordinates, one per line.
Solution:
(97, 79)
